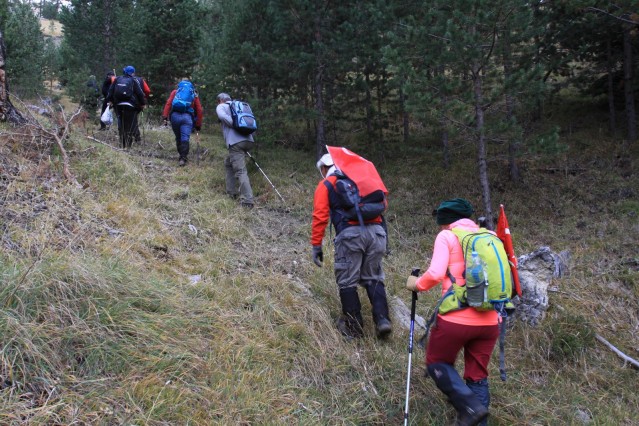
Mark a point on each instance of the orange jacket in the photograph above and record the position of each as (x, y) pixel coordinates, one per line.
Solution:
(322, 211)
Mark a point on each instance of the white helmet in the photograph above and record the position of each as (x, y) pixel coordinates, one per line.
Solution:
(326, 160)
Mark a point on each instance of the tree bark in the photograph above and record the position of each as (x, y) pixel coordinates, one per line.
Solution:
(7, 111)
(402, 108)
(481, 143)
(612, 116)
(631, 117)
(513, 167)
(320, 134)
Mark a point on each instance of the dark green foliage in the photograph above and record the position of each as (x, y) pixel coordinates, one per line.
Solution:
(25, 50)
(49, 9)
(570, 336)
(167, 38)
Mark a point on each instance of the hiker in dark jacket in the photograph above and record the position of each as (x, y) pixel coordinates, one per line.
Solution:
(359, 250)
(147, 93)
(127, 105)
(106, 84)
(474, 331)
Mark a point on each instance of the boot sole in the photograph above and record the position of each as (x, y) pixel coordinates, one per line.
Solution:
(384, 331)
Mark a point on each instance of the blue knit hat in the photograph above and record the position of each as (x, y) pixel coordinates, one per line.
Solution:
(128, 70)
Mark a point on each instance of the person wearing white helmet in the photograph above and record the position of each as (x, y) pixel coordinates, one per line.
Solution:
(359, 249)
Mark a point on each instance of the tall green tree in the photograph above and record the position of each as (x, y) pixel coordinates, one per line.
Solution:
(163, 40)
(457, 77)
(25, 50)
(92, 41)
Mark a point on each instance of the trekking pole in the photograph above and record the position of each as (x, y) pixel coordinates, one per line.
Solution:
(197, 149)
(142, 120)
(269, 181)
(415, 273)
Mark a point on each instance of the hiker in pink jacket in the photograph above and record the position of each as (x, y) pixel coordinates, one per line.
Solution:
(474, 331)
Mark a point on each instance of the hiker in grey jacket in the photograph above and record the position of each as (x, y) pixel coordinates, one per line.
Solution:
(234, 163)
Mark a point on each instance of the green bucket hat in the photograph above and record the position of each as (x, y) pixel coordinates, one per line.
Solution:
(450, 211)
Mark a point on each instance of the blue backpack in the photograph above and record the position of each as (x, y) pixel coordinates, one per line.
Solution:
(183, 97)
(243, 119)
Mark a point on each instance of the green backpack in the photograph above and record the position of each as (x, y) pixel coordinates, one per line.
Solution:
(489, 282)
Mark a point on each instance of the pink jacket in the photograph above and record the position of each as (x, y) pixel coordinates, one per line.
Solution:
(447, 254)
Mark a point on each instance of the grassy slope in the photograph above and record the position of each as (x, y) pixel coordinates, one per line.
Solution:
(102, 322)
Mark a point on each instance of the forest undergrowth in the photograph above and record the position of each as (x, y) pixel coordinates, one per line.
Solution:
(144, 295)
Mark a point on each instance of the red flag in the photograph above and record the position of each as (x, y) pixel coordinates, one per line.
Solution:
(503, 232)
(358, 169)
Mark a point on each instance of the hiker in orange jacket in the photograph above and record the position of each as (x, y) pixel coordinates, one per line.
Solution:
(358, 256)
(183, 123)
(474, 331)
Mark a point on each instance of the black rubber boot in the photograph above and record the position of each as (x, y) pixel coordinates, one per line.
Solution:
(470, 410)
(351, 323)
(480, 388)
(377, 295)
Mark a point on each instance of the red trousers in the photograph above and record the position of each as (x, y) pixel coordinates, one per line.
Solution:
(448, 338)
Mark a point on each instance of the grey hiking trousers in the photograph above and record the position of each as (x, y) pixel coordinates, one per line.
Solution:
(358, 255)
(236, 173)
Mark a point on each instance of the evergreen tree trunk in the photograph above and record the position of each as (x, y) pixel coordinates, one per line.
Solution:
(369, 105)
(402, 108)
(320, 134)
(629, 96)
(513, 168)
(481, 143)
(612, 117)
(7, 111)
(108, 35)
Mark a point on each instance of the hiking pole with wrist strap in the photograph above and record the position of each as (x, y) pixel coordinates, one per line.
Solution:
(197, 149)
(415, 273)
(269, 181)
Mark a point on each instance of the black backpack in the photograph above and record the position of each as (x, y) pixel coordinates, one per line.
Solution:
(123, 89)
(356, 207)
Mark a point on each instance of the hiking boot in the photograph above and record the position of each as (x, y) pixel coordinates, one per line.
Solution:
(377, 295)
(248, 206)
(383, 328)
(351, 323)
(182, 162)
(470, 410)
(349, 328)
(471, 416)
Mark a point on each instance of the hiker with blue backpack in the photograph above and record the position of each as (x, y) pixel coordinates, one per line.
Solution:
(238, 143)
(184, 109)
(464, 318)
(360, 245)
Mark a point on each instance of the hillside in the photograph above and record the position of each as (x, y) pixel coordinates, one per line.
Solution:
(144, 295)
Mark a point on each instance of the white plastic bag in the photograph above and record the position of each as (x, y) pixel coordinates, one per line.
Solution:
(107, 116)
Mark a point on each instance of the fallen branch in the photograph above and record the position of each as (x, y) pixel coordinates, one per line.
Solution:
(104, 143)
(621, 355)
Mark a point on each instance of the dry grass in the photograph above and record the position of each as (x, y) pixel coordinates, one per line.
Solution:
(51, 28)
(146, 296)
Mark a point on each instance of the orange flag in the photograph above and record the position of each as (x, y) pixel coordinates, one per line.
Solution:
(358, 169)
(503, 232)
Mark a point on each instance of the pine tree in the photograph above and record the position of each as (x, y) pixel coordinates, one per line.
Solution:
(25, 50)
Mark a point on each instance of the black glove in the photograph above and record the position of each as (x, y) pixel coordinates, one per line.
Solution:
(197, 128)
(318, 255)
